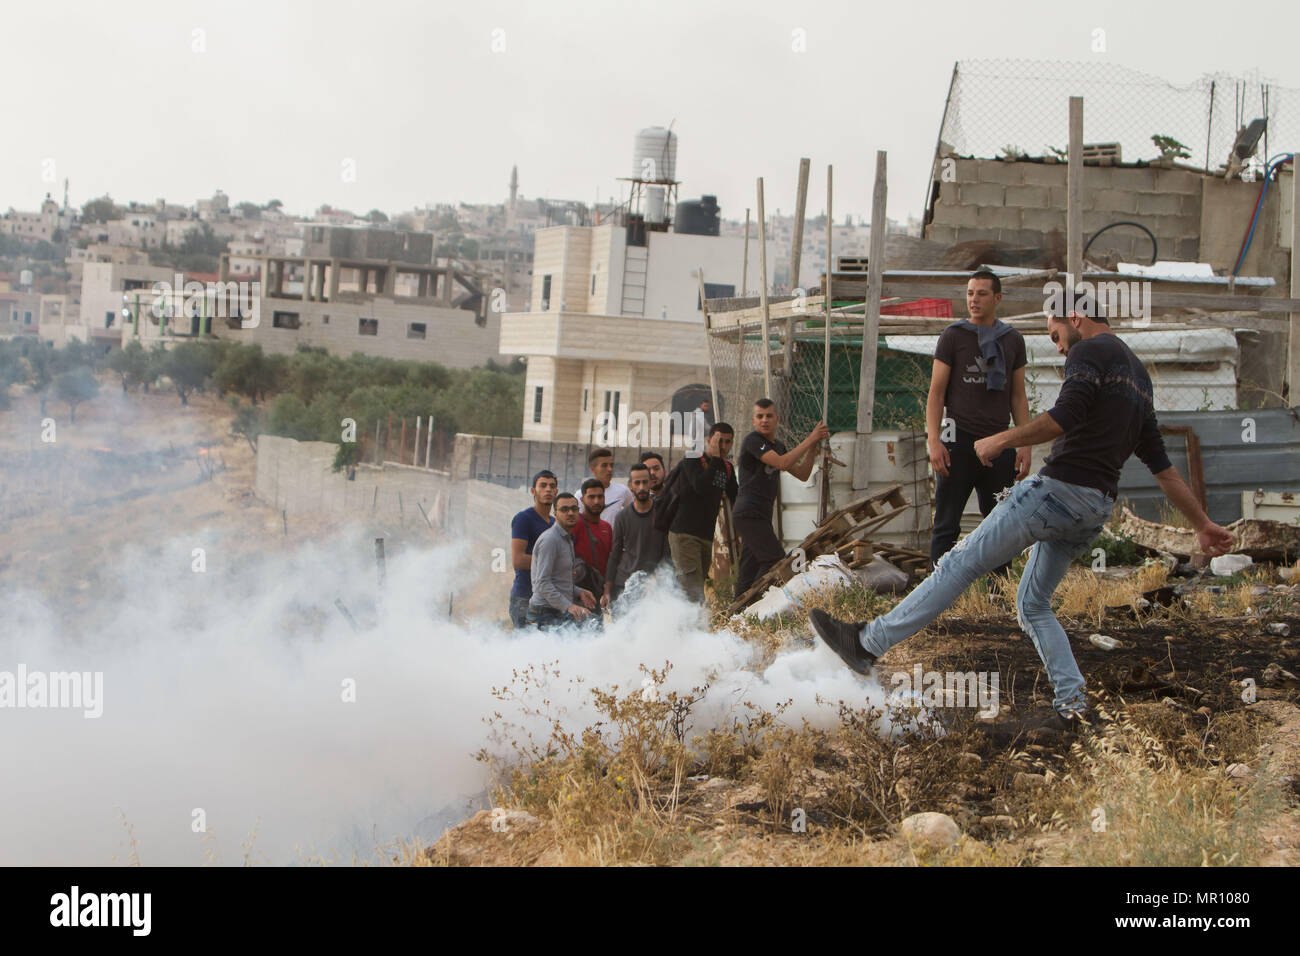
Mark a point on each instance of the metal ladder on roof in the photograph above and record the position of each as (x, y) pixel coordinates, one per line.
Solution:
(636, 264)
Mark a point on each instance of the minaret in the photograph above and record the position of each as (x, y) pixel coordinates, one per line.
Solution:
(514, 194)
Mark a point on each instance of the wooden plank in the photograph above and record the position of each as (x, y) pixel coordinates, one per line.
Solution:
(875, 278)
(1074, 196)
(704, 308)
(824, 486)
(1293, 339)
(1209, 302)
(762, 294)
(744, 269)
(800, 204)
(796, 254)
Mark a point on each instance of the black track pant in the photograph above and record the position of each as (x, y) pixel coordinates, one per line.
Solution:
(759, 550)
(966, 474)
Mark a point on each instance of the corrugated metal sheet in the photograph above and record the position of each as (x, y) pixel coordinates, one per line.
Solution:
(1232, 464)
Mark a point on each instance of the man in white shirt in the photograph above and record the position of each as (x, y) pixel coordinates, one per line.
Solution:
(601, 463)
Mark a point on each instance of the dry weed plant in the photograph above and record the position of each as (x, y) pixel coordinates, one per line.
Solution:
(1155, 779)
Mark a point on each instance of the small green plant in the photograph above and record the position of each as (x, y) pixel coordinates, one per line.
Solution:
(348, 454)
(1060, 154)
(1011, 153)
(1119, 550)
(1170, 148)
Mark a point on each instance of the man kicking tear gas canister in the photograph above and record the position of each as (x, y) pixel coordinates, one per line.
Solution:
(1103, 415)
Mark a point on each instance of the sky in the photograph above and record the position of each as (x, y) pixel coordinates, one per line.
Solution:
(391, 104)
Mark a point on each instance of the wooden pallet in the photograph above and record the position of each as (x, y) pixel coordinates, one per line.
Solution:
(843, 526)
(860, 552)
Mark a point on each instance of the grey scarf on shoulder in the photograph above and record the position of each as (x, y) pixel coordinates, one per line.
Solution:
(996, 374)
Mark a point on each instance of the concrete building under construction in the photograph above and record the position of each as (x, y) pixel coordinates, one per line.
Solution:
(375, 291)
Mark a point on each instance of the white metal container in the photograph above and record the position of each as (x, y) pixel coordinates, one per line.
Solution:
(897, 458)
(655, 204)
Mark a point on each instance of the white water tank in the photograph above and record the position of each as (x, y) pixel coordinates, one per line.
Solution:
(897, 458)
(799, 506)
(654, 155)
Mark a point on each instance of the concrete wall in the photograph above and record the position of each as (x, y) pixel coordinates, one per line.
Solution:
(296, 477)
(1017, 203)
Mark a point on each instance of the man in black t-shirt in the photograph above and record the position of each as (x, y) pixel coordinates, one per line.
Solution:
(761, 461)
(979, 379)
(1104, 414)
(700, 486)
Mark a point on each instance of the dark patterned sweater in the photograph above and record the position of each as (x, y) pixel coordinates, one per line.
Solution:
(1106, 410)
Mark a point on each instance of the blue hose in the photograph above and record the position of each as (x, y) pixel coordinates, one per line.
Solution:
(1269, 168)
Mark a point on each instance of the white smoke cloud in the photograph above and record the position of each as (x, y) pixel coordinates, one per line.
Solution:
(223, 691)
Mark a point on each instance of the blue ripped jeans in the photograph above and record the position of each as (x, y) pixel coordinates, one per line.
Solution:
(1060, 520)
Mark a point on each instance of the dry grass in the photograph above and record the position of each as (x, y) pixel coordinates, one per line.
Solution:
(1146, 785)
(1155, 792)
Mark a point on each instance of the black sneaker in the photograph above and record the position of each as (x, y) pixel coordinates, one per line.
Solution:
(1069, 721)
(842, 638)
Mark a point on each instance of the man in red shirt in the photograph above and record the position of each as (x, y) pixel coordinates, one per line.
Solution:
(593, 538)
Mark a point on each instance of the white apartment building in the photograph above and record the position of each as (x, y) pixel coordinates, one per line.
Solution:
(105, 289)
(617, 326)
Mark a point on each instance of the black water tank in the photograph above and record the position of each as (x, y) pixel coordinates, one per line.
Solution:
(697, 217)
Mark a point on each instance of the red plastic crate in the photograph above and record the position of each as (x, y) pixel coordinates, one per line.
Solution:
(930, 308)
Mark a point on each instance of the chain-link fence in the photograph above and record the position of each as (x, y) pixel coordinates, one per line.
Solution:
(1001, 107)
(1187, 194)
(902, 373)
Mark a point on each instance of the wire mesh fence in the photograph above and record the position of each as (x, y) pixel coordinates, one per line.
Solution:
(1018, 107)
(1188, 182)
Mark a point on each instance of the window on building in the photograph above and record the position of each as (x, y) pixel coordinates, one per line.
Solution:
(284, 320)
(325, 320)
(714, 290)
(109, 319)
(415, 330)
(367, 326)
(584, 399)
(546, 293)
(611, 408)
(537, 404)
(27, 318)
(593, 283)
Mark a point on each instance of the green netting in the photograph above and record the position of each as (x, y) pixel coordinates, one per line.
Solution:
(902, 379)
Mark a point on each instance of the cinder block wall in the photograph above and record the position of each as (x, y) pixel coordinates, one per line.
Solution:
(1018, 202)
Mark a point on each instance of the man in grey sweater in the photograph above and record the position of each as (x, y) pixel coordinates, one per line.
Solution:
(556, 601)
(638, 546)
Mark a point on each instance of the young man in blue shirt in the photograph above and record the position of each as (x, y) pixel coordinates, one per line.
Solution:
(525, 528)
